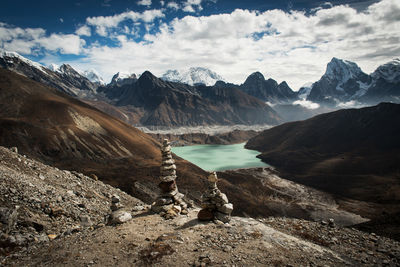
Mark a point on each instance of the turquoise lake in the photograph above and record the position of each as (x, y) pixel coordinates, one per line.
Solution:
(220, 157)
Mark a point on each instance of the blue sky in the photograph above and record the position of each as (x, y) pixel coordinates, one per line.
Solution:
(285, 40)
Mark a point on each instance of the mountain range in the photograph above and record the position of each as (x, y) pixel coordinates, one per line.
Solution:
(344, 81)
(173, 101)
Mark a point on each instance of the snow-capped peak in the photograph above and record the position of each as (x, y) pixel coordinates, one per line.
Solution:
(93, 76)
(8, 56)
(53, 67)
(342, 70)
(195, 75)
(389, 71)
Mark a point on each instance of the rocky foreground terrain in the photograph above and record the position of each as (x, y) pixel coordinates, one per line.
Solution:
(62, 219)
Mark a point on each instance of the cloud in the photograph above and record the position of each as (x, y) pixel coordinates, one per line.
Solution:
(105, 23)
(350, 104)
(144, 3)
(83, 31)
(173, 5)
(162, 3)
(294, 46)
(306, 104)
(32, 40)
(192, 5)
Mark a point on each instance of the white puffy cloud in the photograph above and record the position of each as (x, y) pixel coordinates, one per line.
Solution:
(104, 23)
(29, 40)
(173, 5)
(144, 2)
(192, 5)
(83, 31)
(292, 46)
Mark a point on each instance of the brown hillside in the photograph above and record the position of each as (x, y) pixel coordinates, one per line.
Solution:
(354, 153)
(64, 132)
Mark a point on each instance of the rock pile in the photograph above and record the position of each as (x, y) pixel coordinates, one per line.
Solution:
(118, 214)
(215, 205)
(170, 203)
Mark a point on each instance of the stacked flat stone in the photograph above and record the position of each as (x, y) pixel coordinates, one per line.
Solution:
(214, 203)
(118, 214)
(170, 203)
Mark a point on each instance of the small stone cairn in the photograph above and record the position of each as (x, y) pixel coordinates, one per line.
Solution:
(118, 214)
(170, 202)
(214, 203)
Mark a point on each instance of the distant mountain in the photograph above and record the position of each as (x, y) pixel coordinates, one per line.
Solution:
(64, 78)
(352, 152)
(344, 81)
(385, 85)
(158, 102)
(304, 91)
(121, 78)
(193, 76)
(94, 77)
(268, 90)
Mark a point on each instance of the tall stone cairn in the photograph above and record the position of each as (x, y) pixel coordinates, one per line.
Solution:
(170, 202)
(215, 205)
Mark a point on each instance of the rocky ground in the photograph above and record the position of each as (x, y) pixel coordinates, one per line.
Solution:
(39, 203)
(148, 239)
(62, 220)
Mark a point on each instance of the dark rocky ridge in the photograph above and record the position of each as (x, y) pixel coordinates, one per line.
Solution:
(353, 153)
(68, 80)
(268, 90)
(157, 102)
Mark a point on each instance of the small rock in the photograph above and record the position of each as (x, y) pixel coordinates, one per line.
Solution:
(120, 216)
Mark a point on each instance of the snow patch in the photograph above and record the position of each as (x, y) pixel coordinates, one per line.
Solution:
(193, 76)
(11, 55)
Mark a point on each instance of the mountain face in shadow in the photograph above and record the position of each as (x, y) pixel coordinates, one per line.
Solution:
(268, 90)
(353, 153)
(65, 78)
(162, 103)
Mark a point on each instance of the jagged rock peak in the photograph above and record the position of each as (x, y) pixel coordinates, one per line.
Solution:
(389, 71)
(256, 75)
(93, 76)
(342, 70)
(11, 55)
